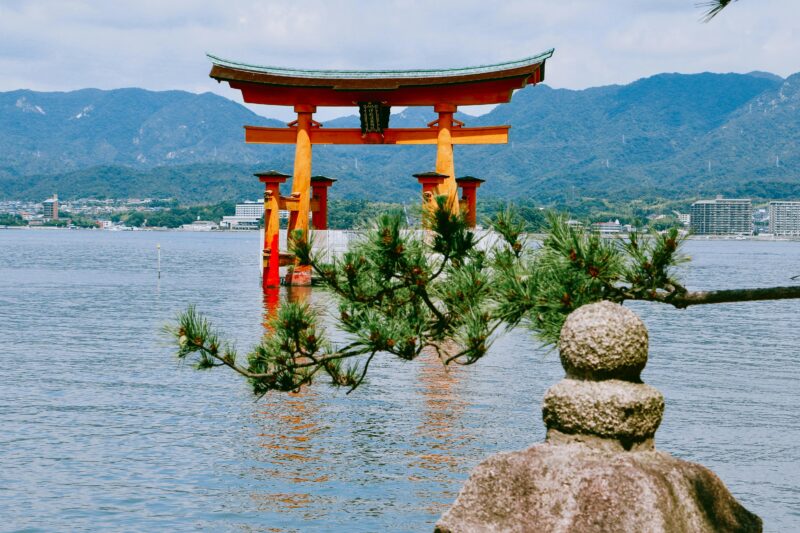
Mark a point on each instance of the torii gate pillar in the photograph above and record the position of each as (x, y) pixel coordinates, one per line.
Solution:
(469, 187)
(301, 185)
(270, 250)
(444, 154)
(319, 193)
(431, 182)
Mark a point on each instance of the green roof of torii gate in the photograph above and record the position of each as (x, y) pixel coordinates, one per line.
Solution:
(486, 84)
(383, 74)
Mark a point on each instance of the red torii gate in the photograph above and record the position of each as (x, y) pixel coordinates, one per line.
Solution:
(374, 92)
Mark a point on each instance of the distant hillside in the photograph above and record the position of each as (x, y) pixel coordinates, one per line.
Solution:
(654, 138)
(57, 132)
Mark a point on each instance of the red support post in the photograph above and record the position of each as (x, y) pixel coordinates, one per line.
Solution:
(469, 187)
(319, 192)
(430, 182)
(270, 251)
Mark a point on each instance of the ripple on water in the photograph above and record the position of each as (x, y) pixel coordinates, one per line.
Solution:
(102, 429)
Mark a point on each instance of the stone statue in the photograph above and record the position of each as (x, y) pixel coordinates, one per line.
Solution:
(598, 469)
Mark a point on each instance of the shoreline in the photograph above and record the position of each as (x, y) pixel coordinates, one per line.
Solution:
(534, 236)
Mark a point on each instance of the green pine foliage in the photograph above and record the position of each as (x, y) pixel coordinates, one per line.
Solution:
(402, 292)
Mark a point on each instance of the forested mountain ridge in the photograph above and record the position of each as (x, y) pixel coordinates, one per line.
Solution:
(670, 136)
(57, 132)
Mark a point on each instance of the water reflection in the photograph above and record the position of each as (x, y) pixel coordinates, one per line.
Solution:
(272, 300)
(290, 424)
(443, 409)
(293, 430)
(441, 430)
(287, 445)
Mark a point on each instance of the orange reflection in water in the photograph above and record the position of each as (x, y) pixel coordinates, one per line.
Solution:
(272, 299)
(289, 423)
(441, 426)
(292, 440)
(290, 449)
(441, 429)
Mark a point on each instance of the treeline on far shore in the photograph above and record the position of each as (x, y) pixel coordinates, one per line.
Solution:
(173, 215)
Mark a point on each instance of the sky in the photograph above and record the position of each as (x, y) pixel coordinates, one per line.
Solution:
(61, 45)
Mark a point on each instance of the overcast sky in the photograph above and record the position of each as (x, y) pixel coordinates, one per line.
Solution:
(61, 45)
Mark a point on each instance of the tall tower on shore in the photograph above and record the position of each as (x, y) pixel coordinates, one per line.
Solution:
(51, 207)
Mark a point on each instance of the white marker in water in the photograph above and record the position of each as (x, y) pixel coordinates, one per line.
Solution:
(158, 247)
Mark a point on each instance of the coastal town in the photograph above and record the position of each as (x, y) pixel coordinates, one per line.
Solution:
(718, 218)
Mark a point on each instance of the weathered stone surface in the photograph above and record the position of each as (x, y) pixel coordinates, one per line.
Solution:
(598, 470)
(612, 409)
(555, 436)
(575, 488)
(603, 340)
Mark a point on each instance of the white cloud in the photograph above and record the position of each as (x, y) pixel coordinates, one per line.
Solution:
(157, 44)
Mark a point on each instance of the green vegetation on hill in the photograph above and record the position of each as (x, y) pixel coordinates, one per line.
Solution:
(11, 220)
(174, 217)
(351, 214)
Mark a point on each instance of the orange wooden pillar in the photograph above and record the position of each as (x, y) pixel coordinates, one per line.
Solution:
(319, 192)
(444, 154)
(270, 251)
(301, 188)
(469, 188)
(431, 183)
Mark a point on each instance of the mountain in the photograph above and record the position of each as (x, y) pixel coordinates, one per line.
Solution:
(56, 132)
(672, 136)
(625, 141)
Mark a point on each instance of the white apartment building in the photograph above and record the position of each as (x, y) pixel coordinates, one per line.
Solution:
(247, 217)
(784, 218)
(612, 227)
(249, 209)
(722, 216)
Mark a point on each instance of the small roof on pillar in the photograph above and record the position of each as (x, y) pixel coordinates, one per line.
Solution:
(484, 84)
(274, 174)
(322, 179)
(431, 174)
(469, 179)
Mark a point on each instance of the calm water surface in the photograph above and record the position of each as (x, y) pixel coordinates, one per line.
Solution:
(103, 430)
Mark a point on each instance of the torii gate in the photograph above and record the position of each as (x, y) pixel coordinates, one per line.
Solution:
(374, 92)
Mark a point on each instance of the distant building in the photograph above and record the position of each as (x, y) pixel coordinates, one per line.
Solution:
(722, 216)
(199, 225)
(612, 227)
(50, 208)
(249, 209)
(248, 216)
(239, 223)
(683, 218)
(784, 218)
(575, 224)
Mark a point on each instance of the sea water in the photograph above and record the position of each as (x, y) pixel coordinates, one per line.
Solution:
(101, 428)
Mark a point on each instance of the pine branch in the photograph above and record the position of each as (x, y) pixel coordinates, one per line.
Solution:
(683, 300)
(714, 8)
(399, 294)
